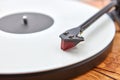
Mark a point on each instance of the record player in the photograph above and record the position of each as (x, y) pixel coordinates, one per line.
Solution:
(53, 39)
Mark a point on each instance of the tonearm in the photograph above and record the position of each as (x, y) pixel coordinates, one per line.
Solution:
(70, 37)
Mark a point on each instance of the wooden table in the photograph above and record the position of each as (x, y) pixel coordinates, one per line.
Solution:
(110, 68)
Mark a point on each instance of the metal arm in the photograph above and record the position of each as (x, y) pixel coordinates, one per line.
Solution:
(97, 15)
(70, 37)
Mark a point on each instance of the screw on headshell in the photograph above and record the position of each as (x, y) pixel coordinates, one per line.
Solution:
(66, 33)
(71, 36)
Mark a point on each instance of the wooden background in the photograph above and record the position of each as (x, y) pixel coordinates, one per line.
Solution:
(110, 68)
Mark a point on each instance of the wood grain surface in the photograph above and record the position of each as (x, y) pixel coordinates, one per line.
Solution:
(110, 68)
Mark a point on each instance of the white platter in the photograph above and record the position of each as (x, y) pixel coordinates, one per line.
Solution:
(39, 52)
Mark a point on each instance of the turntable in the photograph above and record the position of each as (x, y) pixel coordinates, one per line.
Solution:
(40, 39)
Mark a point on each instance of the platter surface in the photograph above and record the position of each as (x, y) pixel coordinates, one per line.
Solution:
(40, 51)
